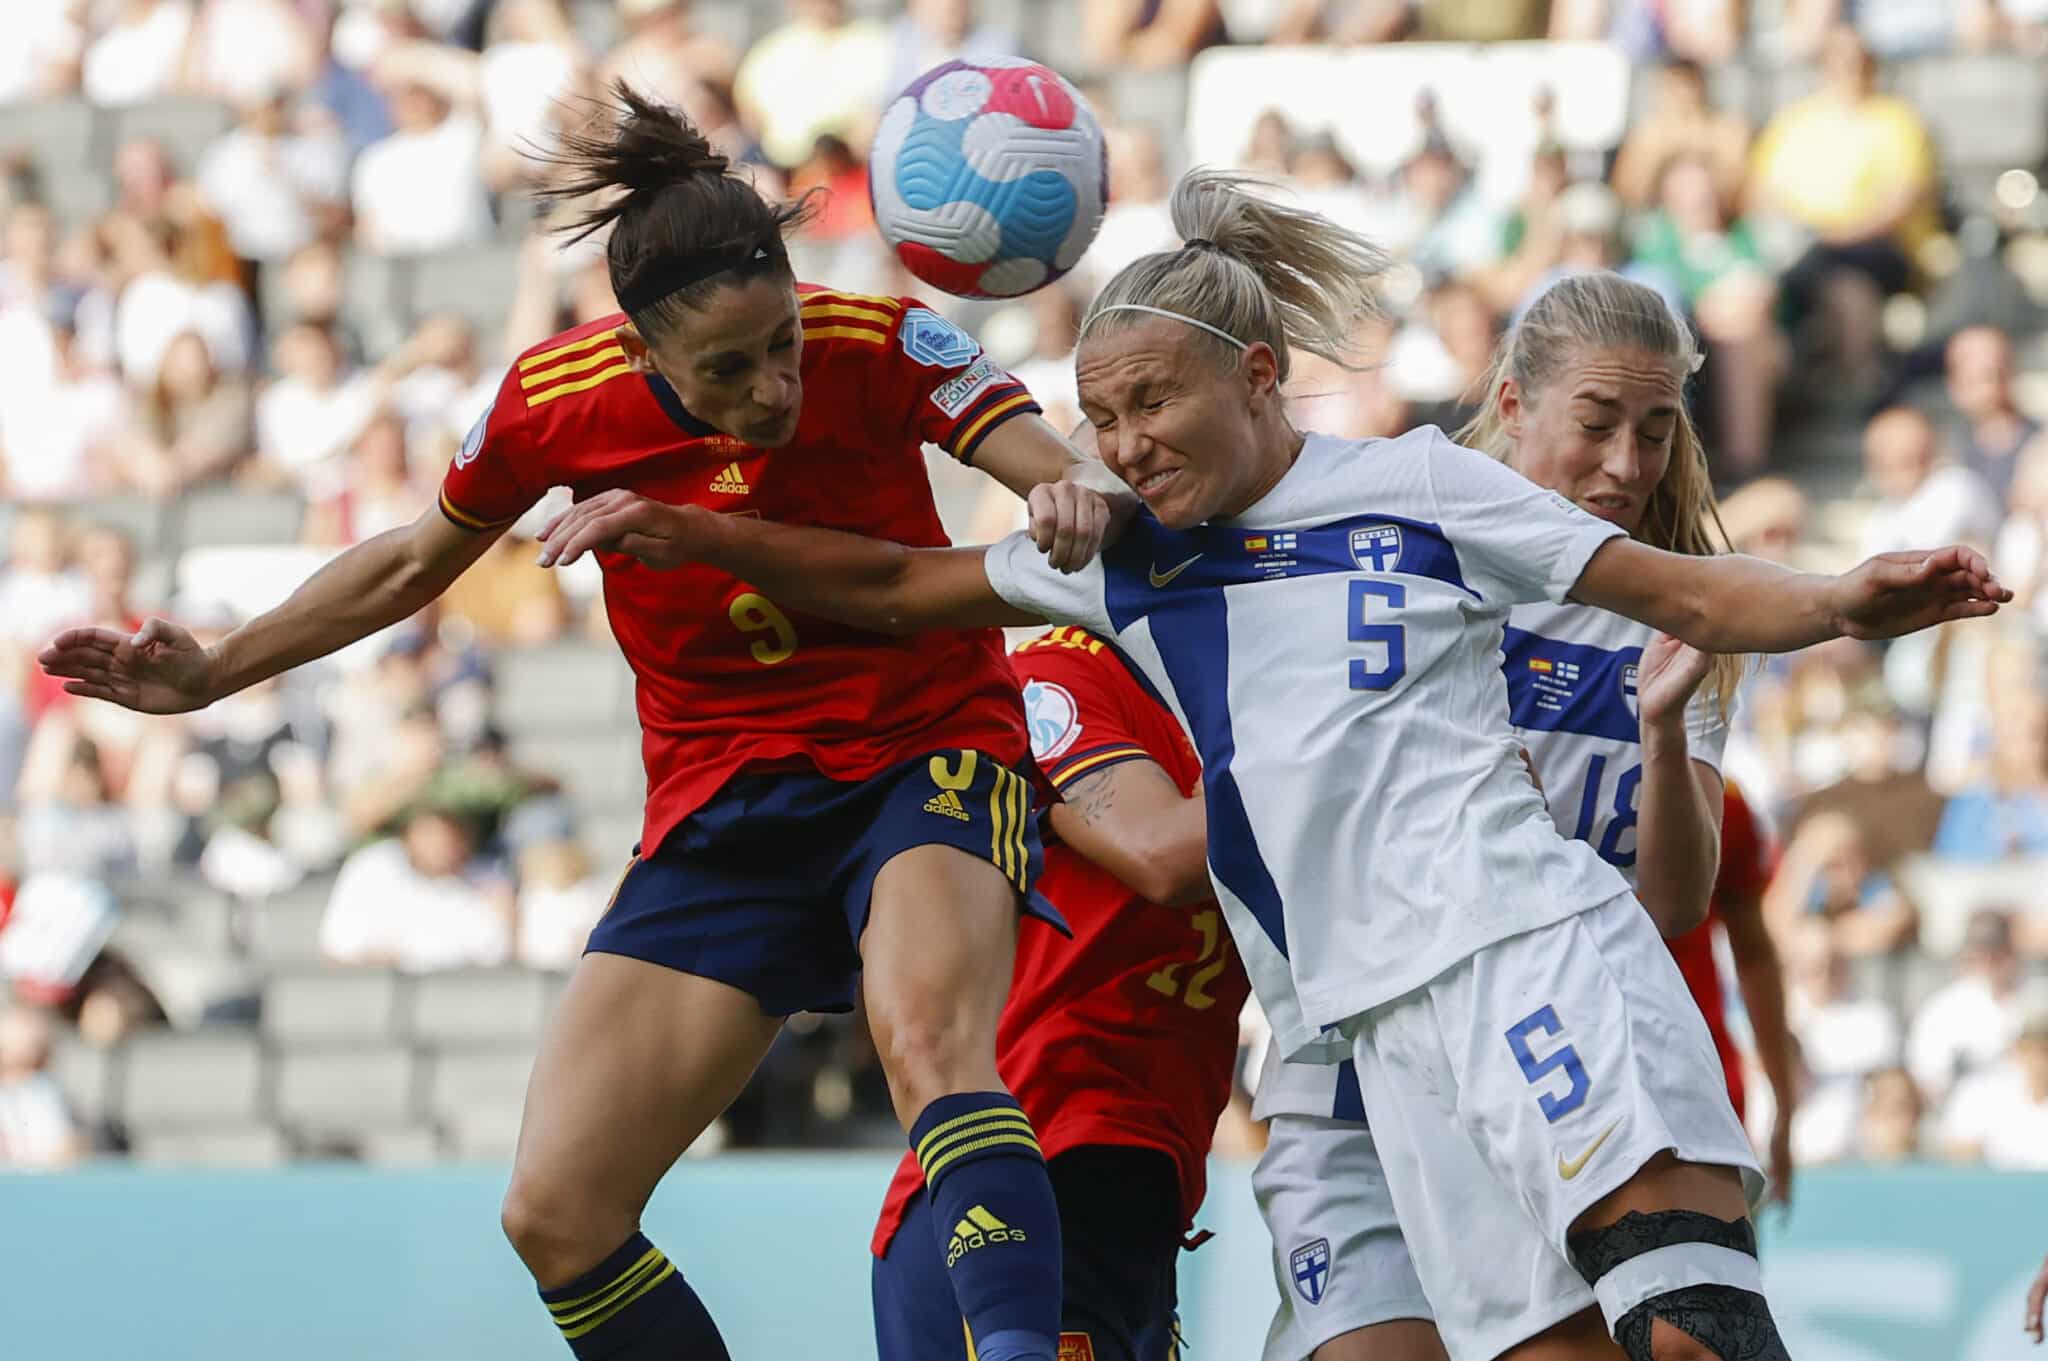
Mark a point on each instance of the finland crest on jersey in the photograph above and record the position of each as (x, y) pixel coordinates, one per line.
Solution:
(1573, 676)
(1334, 652)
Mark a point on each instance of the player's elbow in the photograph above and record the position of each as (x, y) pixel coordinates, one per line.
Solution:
(1676, 912)
(1169, 870)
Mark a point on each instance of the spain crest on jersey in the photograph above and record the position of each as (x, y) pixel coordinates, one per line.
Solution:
(1376, 548)
(1628, 691)
(1309, 1265)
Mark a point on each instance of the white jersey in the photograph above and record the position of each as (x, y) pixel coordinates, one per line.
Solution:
(1335, 652)
(1571, 679)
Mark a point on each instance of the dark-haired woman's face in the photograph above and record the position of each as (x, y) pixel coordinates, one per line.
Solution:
(734, 361)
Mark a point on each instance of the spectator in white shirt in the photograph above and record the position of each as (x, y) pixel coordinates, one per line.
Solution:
(2001, 1114)
(60, 440)
(40, 590)
(306, 420)
(1921, 499)
(172, 282)
(1841, 1036)
(271, 186)
(414, 903)
(821, 73)
(37, 1132)
(243, 49)
(1972, 1022)
(420, 189)
(40, 58)
(935, 31)
(137, 58)
(560, 899)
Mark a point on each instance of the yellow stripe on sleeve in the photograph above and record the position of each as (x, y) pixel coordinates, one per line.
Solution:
(860, 333)
(1088, 763)
(465, 520)
(841, 309)
(546, 357)
(580, 364)
(996, 412)
(534, 399)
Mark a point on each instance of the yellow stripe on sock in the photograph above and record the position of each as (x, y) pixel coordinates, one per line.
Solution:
(953, 1155)
(646, 1262)
(1016, 1125)
(619, 1288)
(961, 1121)
(668, 1269)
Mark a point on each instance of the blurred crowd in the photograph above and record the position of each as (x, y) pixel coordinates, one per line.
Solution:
(262, 264)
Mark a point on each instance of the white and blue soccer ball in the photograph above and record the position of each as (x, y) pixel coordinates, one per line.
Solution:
(988, 177)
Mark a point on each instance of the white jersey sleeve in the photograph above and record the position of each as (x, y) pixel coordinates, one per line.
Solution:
(1706, 732)
(1019, 573)
(1517, 542)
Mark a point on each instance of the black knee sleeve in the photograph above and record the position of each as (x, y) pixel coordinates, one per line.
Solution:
(1733, 1324)
(1694, 1271)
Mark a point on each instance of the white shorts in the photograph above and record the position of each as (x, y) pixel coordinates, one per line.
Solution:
(1338, 1256)
(1513, 1091)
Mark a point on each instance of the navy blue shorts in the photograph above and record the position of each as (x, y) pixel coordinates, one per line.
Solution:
(766, 887)
(1120, 1238)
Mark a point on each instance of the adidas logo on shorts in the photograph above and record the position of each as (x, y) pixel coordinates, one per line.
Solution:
(947, 804)
(978, 1229)
(731, 482)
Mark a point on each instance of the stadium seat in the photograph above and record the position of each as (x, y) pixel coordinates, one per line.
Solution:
(462, 1080)
(370, 300)
(203, 1078)
(236, 1146)
(1984, 112)
(215, 516)
(57, 136)
(472, 282)
(185, 128)
(563, 687)
(483, 1135)
(610, 835)
(1057, 38)
(403, 1146)
(145, 520)
(357, 1088)
(332, 1004)
(599, 772)
(287, 928)
(84, 1073)
(468, 1006)
(733, 20)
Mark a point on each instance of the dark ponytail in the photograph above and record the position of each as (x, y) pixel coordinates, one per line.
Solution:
(682, 222)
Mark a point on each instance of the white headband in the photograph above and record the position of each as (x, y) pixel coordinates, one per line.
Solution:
(1216, 331)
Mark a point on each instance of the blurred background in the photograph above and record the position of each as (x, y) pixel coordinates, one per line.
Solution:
(262, 263)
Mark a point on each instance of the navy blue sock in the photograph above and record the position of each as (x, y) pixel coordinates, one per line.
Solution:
(997, 1223)
(634, 1306)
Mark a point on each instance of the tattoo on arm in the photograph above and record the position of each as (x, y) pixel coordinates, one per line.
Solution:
(1093, 796)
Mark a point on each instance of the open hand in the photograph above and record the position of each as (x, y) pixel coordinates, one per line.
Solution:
(620, 521)
(1899, 593)
(1073, 518)
(158, 669)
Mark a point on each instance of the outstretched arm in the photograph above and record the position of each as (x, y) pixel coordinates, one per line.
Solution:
(1733, 603)
(1678, 826)
(872, 584)
(161, 669)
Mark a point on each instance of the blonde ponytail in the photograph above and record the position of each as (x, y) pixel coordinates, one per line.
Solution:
(1253, 270)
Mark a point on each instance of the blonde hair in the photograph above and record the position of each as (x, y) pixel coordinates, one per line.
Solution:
(1602, 311)
(1254, 270)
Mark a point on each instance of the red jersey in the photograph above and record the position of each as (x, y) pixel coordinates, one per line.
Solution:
(728, 679)
(1745, 870)
(1127, 1033)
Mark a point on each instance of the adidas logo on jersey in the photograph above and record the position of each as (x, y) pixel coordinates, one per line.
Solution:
(978, 1229)
(731, 482)
(947, 804)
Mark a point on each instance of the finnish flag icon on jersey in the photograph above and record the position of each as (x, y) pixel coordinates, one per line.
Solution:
(1309, 1264)
(1376, 548)
(1628, 691)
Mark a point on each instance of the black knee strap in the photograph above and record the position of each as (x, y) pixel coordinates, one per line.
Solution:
(1596, 1252)
(1735, 1325)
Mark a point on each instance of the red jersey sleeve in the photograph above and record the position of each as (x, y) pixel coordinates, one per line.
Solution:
(495, 476)
(1079, 711)
(1745, 848)
(944, 387)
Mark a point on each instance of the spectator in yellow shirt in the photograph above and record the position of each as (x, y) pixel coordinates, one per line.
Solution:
(1856, 169)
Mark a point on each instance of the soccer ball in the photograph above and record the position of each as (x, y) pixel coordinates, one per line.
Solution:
(988, 177)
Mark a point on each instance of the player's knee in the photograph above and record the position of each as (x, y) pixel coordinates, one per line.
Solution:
(1678, 1285)
(558, 1237)
(930, 1052)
